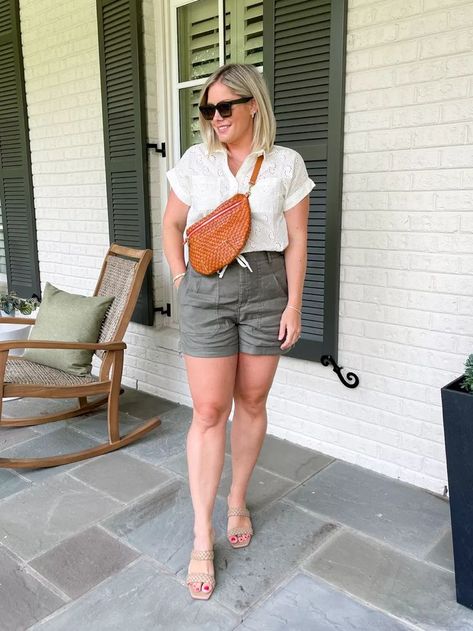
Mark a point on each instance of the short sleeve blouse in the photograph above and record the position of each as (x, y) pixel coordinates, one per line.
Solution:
(202, 181)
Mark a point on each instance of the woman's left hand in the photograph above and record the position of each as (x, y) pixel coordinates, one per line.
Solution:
(289, 328)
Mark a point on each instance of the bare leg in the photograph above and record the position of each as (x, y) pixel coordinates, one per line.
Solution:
(254, 377)
(211, 382)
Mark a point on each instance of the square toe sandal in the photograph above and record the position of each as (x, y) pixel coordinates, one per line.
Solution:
(239, 537)
(207, 580)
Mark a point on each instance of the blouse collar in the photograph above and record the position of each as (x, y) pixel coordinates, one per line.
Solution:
(260, 152)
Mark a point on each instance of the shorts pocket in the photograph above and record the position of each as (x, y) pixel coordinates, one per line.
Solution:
(181, 284)
(280, 278)
(198, 305)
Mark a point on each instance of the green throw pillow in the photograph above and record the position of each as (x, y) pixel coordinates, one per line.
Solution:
(69, 318)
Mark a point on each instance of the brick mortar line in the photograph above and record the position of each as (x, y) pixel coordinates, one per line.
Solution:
(369, 423)
(347, 317)
(374, 3)
(410, 344)
(378, 65)
(410, 147)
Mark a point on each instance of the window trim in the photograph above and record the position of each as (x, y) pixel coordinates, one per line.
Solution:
(168, 105)
(167, 76)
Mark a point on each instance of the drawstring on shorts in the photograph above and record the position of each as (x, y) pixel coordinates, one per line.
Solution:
(241, 261)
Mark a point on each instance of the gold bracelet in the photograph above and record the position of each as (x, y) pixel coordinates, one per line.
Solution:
(295, 309)
(177, 276)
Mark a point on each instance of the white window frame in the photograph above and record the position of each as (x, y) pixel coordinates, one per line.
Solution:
(168, 101)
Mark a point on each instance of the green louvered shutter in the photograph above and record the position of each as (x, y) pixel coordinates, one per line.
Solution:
(16, 185)
(304, 65)
(124, 121)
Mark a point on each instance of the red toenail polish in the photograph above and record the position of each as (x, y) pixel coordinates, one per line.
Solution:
(206, 588)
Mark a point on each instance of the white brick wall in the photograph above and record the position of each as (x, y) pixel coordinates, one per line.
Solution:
(406, 264)
(60, 51)
(407, 245)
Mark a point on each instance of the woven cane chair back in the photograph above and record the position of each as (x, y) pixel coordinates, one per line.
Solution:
(118, 278)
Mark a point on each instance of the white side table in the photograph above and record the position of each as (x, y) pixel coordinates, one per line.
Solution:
(14, 332)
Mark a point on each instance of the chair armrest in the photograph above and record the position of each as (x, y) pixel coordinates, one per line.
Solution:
(16, 320)
(57, 344)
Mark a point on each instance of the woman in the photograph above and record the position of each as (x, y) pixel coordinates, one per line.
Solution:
(235, 325)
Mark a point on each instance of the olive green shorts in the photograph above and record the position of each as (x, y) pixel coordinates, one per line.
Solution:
(239, 312)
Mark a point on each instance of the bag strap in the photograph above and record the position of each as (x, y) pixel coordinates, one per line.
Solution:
(254, 175)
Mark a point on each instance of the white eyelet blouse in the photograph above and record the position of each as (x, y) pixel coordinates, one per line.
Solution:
(203, 181)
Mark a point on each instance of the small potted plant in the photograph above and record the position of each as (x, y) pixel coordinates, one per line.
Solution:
(457, 408)
(10, 303)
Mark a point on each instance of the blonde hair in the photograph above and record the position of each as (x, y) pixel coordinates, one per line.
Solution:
(244, 80)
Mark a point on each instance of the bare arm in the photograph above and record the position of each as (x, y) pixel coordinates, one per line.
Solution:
(174, 223)
(295, 256)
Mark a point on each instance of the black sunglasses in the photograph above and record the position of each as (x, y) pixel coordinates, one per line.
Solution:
(224, 108)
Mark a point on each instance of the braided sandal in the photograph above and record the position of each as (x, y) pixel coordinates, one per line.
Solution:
(234, 533)
(207, 580)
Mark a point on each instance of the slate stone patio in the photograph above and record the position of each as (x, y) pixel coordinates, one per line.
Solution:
(104, 544)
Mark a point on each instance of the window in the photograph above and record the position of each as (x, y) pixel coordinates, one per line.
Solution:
(199, 36)
(208, 34)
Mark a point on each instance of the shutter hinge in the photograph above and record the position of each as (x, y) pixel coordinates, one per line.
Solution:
(161, 150)
(351, 380)
(164, 311)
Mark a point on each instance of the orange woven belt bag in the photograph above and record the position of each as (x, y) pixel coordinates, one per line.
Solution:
(219, 237)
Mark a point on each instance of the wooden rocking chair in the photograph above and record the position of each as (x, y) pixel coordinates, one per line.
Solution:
(121, 276)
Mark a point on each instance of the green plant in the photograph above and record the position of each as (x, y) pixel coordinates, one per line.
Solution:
(467, 383)
(11, 302)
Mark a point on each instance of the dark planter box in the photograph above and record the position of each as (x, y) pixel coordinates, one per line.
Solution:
(457, 405)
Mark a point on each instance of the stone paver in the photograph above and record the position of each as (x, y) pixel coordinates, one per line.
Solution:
(27, 407)
(121, 476)
(336, 547)
(142, 405)
(167, 440)
(14, 435)
(84, 560)
(442, 552)
(23, 599)
(264, 488)
(402, 515)
(41, 516)
(284, 537)
(409, 589)
(307, 603)
(161, 525)
(11, 483)
(291, 461)
(60, 441)
(95, 425)
(140, 598)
